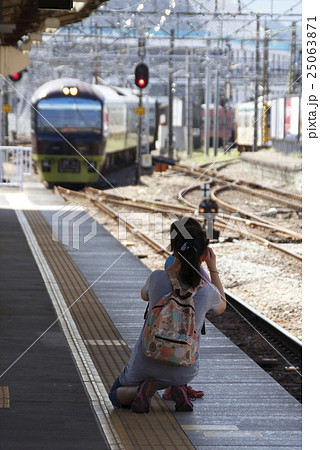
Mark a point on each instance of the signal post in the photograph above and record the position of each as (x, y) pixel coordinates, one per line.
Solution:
(141, 81)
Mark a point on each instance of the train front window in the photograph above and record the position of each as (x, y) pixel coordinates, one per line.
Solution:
(69, 114)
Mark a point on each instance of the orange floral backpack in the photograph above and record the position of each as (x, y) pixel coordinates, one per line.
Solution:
(170, 334)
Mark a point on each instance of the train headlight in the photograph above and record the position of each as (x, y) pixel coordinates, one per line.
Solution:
(70, 90)
(73, 91)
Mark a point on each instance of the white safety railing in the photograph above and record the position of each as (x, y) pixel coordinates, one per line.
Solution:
(15, 162)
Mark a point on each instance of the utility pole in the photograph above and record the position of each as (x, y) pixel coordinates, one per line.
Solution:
(216, 114)
(292, 68)
(207, 111)
(188, 105)
(265, 87)
(4, 122)
(170, 97)
(265, 69)
(138, 152)
(246, 71)
(256, 93)
(141, 81)
(96, 52)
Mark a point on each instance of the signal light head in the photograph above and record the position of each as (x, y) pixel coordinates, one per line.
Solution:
(141, 75)
(15, 76)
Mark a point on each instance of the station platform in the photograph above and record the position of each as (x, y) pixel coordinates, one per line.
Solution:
(274, 165)
(70, 311)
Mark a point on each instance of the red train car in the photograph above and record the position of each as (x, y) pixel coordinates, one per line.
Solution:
(225, 126)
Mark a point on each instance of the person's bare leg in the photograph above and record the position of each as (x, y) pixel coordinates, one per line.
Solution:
(126, 394)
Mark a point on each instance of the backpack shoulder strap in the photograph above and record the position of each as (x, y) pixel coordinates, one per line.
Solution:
(183, 293)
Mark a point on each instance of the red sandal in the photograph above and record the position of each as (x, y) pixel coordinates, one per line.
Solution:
(192, 393)
(146, 391)
(179, 395)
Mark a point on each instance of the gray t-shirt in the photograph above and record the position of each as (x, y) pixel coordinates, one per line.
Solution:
(139, 367)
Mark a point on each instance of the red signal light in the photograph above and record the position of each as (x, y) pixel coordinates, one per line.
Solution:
(15, 76)
(141, 82)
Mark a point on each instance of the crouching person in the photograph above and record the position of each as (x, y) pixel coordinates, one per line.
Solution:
(167, 350)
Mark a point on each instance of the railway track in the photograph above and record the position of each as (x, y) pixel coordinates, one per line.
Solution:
(280, 338)
(285, 348)
(256, 189)
(271, 347)
(251, 188)
(248, 219)
(239, 221)
(222, 221)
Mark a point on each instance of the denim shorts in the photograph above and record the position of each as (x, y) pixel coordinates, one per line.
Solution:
(113, 394)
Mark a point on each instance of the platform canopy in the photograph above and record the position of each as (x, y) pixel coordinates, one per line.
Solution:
(19, 18)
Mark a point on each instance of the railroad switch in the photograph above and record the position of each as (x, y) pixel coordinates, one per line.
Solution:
(209, 209)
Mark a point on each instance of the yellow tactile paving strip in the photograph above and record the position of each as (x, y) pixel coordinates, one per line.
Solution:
(4, 397)
(156, 430)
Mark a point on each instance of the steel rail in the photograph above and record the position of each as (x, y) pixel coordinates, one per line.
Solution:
(272, 198)
(135, 203)
(256, 218)
(253, 219)
(221, 223)
(214, 172)
(250, 222)
(263, 241)
(290, 342)
(115, 215)
(148, 239)
(216, 169)
(253, 186)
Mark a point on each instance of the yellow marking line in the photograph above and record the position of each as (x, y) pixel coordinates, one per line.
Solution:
(234, 434)
(4, 397)
(104, 342)
(210, 427)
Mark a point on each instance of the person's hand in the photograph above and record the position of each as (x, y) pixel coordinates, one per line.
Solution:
(211, 260)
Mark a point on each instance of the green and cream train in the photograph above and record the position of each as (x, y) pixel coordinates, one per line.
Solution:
(78, 130)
